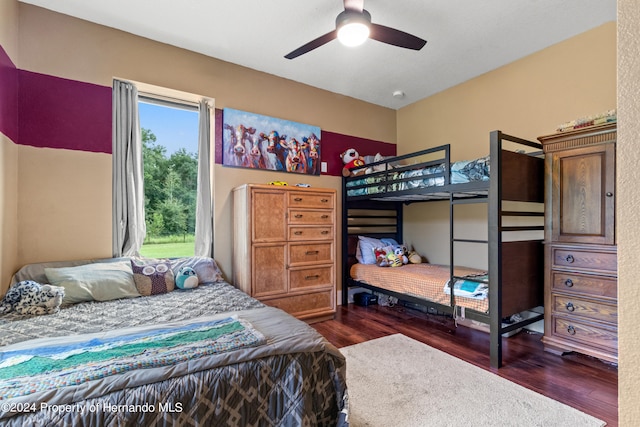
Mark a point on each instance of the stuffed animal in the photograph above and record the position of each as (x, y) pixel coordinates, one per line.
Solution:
(401, 252)
(351, 159)
(394, 260)
(186, 278)
(381, 257)
(377, 168)
(414, 257)
(29, 297)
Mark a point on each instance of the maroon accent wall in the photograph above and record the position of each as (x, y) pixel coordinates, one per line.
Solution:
(333, 144)
(8, 97)
(61, 113)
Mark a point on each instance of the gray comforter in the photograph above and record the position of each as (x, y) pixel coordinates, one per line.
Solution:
(294, 377)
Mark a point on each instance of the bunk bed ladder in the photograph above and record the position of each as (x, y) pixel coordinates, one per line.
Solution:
(453, 240)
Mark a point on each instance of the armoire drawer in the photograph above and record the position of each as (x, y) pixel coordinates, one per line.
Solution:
(592, 310)
(586, 333)
(310, 253)
(311, 200)
(310, 233)
(300, 279)
(580, 258)
(301, 216)
(589, 285)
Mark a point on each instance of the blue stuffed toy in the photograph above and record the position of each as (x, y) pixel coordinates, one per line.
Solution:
(186, 278)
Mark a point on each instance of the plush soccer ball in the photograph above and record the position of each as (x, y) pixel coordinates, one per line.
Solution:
(29, 297)
(186, 278)
(351, 159)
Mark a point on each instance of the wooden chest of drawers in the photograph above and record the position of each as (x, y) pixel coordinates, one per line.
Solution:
(581, 301)
(284, 248)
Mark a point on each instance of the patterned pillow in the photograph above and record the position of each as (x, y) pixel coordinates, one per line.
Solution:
(152, 277)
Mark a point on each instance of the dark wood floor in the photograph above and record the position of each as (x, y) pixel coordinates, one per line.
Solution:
(582, 382)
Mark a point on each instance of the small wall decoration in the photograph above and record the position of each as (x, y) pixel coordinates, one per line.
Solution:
(261, 142)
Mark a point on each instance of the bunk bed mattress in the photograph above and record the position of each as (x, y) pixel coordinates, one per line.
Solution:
(425, 281)
(461, 172)
(263, 367)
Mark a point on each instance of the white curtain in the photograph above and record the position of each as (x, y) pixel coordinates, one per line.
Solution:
(204, 203)
(129, 227)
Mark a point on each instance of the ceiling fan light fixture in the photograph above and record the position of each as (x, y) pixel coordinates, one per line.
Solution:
(353, 27)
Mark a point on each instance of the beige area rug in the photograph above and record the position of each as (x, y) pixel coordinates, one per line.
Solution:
(396, 381)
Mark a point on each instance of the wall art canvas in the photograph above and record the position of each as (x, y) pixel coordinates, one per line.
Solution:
(261, 142)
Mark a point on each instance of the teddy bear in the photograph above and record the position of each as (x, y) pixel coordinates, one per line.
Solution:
(351, 159)
(30, 297)
(186, 278)
(414, 257)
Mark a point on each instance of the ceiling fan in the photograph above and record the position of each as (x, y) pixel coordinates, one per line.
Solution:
(354, 26)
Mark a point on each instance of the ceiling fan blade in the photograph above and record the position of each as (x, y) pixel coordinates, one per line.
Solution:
(396, 37)
(312, 45)
(356, 5)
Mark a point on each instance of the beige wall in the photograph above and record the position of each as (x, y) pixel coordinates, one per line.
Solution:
(628, 211)
(526, 98)
(8, 159)
(77, 221)
(495, 98)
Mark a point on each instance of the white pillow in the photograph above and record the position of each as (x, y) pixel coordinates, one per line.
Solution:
(206, 268)
(365, 251)
(94, 282)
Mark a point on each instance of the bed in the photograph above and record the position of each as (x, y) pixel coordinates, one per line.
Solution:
(509, 181)
(210, 355)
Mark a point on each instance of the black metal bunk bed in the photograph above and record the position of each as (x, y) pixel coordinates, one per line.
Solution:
(373, 206)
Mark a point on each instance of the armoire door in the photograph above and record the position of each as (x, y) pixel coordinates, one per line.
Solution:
(583, 195)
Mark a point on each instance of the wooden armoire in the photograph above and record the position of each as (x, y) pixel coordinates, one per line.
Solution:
(581, 312)
(284, 247)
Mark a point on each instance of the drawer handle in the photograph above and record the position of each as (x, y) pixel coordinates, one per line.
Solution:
(569, 259)
(298, 216)
(609, 194)
(324, 200)
(298, 199)
(568, 283)
(315, 276)
(297, 233)
(570, 306)
(571, 330)
(324, 232)
(312, 252)
(324, 216)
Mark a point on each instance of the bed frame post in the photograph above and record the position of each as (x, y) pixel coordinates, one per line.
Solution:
(495, 250)
(345, 245)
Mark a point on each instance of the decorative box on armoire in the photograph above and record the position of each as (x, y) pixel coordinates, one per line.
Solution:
(581, 296)
(284, 248)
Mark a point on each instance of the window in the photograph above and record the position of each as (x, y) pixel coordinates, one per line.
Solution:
(176, 171)
(169, 132)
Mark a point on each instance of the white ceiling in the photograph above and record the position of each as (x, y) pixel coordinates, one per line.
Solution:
(465, 38)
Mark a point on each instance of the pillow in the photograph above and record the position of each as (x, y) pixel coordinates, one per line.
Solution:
(94, 282)
(365, 251)
(152, 276)
(206, 268)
